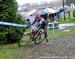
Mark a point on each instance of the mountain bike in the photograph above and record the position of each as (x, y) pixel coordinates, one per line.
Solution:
(32, 38)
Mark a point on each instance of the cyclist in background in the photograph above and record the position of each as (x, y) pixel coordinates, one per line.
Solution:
(40, 22)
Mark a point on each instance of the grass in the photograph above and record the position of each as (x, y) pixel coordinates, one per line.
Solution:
(8, 51)
(71, 20)
(68, 20)
(61, 33)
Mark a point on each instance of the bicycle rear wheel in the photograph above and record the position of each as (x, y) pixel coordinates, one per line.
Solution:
(39, 38)
(26, 40)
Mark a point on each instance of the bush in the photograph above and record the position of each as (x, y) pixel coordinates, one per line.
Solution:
(9, 34)
(8, 13)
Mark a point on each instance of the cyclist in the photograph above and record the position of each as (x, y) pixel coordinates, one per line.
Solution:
(46, 20)
(40, 22)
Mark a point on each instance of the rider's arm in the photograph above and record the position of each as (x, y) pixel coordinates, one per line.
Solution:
(32, 23)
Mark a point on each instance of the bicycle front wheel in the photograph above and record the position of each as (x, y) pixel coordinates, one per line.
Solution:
(26, 40)
(39, 38)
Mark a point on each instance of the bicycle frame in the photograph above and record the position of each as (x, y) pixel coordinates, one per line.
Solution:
(35, 37)
(35, 34)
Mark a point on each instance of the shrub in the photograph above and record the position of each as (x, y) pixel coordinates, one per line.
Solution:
(8, 13)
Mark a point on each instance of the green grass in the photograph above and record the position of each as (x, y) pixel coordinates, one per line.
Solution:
(71, 20)
(59, 33)
(8, 51)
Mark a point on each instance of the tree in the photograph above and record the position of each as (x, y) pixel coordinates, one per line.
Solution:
(68, 2)
(8, 13)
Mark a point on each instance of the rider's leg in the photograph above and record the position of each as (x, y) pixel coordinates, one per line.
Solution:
(46, 35)
(32, 33)
(33, 36)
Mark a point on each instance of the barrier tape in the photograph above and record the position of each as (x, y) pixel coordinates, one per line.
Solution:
(12, 24)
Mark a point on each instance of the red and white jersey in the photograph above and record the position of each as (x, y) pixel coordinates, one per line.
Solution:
(35, 26)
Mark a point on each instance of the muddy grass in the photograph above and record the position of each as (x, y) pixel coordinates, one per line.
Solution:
(60, 48)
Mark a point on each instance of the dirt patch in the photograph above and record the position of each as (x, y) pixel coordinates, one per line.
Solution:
(59, 48)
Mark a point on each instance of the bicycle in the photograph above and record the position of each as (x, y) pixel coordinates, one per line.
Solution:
(31, 38)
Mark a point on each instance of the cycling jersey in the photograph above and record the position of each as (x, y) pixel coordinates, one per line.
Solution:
(37, 24)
